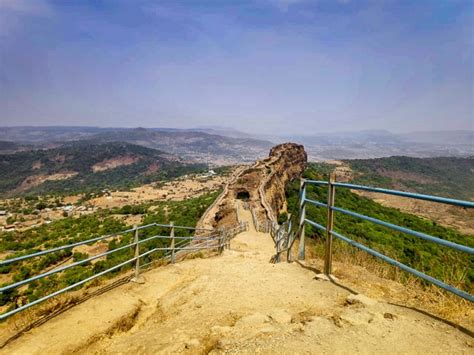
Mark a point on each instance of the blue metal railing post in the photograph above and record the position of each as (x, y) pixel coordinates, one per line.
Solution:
(329, 225)
(302, 205)
(173, 257)
(330, 232)
(288, 240)
(137, 253)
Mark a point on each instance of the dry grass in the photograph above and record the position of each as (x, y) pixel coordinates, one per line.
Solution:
(404, 289)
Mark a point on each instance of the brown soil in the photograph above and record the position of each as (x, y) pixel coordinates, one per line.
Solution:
(458, 218)
(70, 200)
(92, 250)
(175, 190)
(403, 176)
(114, 163)
(239, 302)
(341, 169)
(129, 220)
(35, 180)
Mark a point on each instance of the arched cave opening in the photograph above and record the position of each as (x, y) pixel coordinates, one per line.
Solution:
(243, 195)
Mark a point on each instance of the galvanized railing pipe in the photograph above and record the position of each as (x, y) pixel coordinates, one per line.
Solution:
(449, 201)
(93, 240)
(329, 226)
(421, 235)
(70, 287)
(63, 247)
(77, 263)
(445, 200)
(302, 214)
(330, 232)
(208, 242)
(406, 268)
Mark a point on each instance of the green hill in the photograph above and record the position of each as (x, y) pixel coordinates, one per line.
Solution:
(444, 263)
(85, 167)
(444, 176)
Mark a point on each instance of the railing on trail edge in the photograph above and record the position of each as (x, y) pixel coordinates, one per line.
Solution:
(330, 233)
(282, 235)
(283, 238)
(179, 246)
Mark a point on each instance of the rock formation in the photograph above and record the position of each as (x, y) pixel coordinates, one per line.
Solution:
(262, 185)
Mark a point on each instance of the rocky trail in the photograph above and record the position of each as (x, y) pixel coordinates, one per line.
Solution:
(239, 302)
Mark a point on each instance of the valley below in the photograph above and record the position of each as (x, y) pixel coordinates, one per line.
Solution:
(109, 181)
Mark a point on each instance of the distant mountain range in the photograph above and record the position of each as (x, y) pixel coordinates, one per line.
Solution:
(441, 137)
(383, 136)
(222, 145)
(381, 143)
(192, 145)
(197, 145)
(86, 166)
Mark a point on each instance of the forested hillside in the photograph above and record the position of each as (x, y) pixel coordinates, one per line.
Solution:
(444, 176)
(70, 230)
(441, 262)
(85, 167)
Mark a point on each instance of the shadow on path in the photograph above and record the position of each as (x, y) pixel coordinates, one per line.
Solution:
(435, 317)
(331, 279)
(421, 311)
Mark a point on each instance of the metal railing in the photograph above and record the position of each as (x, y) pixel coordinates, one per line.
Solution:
(175, 247)
(330, 232)
(256, 222)
(283, 239)
(281, 234)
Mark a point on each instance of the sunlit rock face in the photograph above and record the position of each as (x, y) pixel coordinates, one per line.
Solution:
(289, 161)
(262, 185)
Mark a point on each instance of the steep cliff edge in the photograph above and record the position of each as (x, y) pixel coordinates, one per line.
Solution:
(262, 186)
(290, 163)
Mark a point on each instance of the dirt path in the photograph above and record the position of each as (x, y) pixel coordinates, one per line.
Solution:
(239, 302)
(206, 220)
(246, 216)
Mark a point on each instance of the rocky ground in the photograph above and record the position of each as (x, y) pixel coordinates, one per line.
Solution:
(239, 302)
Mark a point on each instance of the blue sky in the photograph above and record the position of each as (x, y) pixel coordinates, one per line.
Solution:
(268, 66)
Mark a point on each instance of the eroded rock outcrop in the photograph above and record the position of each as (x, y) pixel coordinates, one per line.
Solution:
(290, 164)
(262, 185)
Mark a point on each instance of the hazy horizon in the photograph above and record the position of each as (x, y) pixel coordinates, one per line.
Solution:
(283, 67)
(230, 128)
